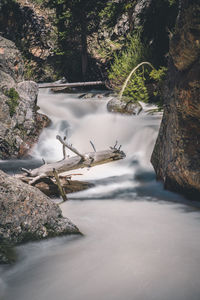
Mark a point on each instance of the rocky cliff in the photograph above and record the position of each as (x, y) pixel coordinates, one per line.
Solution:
(176, 156)
(20, 124)
(29, 25)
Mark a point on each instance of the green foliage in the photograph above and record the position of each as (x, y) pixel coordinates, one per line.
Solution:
(158, 78)
(13, 100)
(135, 53)
(29, 72)
(158, 75)
(172, 2)
(40, 2)
(113, 10)
(136, 89)
(75, 21)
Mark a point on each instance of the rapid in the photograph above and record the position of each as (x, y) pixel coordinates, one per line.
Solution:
(139, 241)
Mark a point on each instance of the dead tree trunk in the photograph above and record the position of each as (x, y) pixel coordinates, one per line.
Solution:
(89, 159)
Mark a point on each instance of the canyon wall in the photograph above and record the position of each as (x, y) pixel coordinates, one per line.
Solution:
(176, 156)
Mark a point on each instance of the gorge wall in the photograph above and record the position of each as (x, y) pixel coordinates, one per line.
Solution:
(176, 156)
(29, 26)
(20, 124)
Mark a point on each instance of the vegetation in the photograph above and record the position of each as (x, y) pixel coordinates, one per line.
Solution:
(13, 100)
(158, 78)
(124, 62)
(76, 20)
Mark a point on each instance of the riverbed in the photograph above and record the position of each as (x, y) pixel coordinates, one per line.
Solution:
(140, 242)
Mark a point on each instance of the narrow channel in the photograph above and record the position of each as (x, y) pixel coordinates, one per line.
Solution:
(140, 242)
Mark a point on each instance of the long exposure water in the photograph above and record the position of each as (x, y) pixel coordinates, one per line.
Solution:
(140, 242)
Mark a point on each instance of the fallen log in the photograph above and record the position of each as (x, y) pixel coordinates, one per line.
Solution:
(51, 171)
(70, 85)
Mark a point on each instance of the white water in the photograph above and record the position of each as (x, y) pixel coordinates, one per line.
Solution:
(140, 242)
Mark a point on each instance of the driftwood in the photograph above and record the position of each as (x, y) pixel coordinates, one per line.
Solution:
(51, 171)
(59, 185)
(70, 85)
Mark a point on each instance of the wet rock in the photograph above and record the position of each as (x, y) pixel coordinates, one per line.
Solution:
(124, 106)
(20, 124)
(176, 156)
(49, 188)
(7, 253)
(28, 214)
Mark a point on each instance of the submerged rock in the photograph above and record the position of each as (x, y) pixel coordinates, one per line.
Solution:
(27, 214)
(20, 124)
(128, 107)
(176, 156)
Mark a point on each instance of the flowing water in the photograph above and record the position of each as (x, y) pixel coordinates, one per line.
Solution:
(140, 242)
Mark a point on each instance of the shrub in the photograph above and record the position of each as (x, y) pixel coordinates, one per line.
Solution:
(135, 52)
(13, 100)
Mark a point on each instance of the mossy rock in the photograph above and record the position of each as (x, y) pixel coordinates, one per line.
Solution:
(13, 100)
(124, 106)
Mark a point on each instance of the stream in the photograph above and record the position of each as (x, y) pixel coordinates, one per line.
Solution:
(140, 242)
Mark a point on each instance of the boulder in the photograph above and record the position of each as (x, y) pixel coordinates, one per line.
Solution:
(11, 62)
(124, 106)
(20, 124)
(27, 214)
(176, 156)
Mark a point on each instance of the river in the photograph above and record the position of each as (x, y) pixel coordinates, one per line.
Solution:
(140, 242)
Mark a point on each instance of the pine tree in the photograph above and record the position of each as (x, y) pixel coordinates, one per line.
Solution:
(76, 20)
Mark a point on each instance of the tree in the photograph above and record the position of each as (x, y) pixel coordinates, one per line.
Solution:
(76, 20)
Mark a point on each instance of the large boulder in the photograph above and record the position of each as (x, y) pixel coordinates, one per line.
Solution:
(124, 106)
(27, 214)
(20, 124)
(176, 156)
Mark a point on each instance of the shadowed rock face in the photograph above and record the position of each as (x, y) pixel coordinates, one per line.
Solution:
(20, 124)
(28, 214)
(176, 156)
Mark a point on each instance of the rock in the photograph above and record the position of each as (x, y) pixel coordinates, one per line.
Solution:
(11, 61)
(128, 107)
(49, 188)
(20, 124)
(30, 26)
(7, 253)
(176, 156)
(141, 7)
(27, 214)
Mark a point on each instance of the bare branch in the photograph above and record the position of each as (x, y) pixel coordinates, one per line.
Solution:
(61, 190)
(64, 150)
(37, 178)
(26, 171)
(93, 146)
(70, 147)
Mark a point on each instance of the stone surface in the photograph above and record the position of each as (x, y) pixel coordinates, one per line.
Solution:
(28, 214)
(49, 188)
(176, 156)
(20, 124)
(128, 107)
(11, 61)
(30, 26)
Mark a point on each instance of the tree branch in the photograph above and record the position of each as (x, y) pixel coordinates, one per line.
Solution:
(70, 147)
